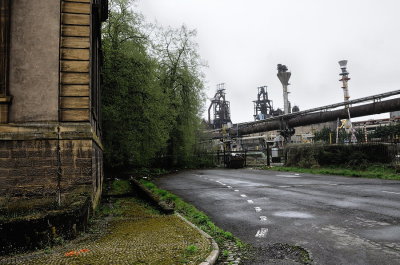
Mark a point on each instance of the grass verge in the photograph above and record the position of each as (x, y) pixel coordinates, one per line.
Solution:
(195, 216)
(374, 171)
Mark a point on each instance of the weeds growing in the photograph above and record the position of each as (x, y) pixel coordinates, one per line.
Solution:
(194, 215)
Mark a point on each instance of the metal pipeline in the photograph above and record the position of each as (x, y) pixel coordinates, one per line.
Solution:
(320, 117)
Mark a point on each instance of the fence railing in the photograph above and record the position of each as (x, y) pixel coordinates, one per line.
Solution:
(371, 152)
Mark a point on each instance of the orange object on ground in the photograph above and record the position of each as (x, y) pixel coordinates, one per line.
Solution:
(76, 253)
(71, 253)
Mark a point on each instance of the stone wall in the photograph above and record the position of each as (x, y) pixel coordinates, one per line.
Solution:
(50, 170)
(28, 168)
(97, 173)
(51, 161)
(51, 178)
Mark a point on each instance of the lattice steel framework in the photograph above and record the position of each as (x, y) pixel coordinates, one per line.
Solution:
(263, 107)
(220, 108)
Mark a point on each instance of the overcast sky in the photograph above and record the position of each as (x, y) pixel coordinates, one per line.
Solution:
(244, 40)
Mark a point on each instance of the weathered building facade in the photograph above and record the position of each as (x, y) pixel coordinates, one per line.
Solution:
(50, 132)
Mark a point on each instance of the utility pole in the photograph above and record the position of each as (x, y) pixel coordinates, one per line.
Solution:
(337, 131)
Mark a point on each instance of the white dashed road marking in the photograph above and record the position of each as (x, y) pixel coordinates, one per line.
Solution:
(288, 176)
(391, 192)
(243, 195)
(250, 201)
(262, 232)
(284, 186)
(236, 190)
(263, 218)
(258, 209)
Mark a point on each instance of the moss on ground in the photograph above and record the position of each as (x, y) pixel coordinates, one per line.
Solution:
(14, 209)
(135, 233)
(225, 240)
(190, 212)
(120, 187)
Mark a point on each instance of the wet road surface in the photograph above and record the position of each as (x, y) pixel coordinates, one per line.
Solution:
(339, 220)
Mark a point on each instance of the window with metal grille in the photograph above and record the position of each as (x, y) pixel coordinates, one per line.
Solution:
(4, 44)
(99, 14)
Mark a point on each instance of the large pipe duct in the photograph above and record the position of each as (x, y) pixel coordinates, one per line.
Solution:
(319, 117)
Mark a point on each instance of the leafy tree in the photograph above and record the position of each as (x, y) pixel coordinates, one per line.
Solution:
(323, 135)
(182, 81)
(152, 92)
(386, 133)
(360, 135)
(134, 108)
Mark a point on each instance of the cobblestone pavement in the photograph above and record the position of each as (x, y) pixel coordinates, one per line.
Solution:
(231, 254)
(128, 232)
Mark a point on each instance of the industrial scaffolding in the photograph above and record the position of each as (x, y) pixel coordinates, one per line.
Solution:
(220, 108)
(263, 107)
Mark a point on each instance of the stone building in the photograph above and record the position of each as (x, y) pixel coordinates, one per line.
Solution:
(50, 131)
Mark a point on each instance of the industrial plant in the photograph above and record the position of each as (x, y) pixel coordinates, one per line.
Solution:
(220, 108)
(276, 127)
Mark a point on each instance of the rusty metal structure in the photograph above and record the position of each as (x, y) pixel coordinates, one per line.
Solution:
(323, 114)
(220, 108)
(263, 106)
(345, 79)
(268, 119)
(358, 107)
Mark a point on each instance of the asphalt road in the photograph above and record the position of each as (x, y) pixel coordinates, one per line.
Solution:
(338, 220)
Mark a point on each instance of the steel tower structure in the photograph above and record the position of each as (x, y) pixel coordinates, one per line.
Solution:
(220, 108)
(262, 106)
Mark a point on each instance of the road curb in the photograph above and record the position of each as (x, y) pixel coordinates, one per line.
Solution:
(213, 256)
(168, 209)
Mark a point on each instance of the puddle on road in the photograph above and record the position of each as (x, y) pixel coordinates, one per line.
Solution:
(391, 233)
(293, 214)
(345, 204)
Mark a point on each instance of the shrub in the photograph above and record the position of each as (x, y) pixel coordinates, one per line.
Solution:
(354, 155)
